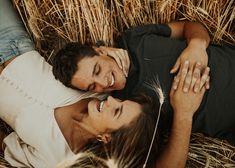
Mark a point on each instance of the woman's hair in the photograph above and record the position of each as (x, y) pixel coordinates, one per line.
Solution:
(132, 142)
(64, 63)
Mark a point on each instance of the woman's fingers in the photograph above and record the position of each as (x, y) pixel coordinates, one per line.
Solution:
(125, 60)
(119, 55)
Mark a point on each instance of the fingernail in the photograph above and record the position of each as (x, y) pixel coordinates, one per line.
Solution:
(185, 89)
(174, 87)
(198, 63)
(196, 90)
(186, 62)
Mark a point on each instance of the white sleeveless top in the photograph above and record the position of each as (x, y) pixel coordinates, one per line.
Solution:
(29, 94)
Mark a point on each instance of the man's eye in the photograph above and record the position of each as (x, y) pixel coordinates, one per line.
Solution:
(92, 87)
(97, 70)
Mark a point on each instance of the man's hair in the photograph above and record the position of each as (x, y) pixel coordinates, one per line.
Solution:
(64, 64)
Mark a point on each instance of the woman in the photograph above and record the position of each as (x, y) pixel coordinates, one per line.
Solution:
(51, 122)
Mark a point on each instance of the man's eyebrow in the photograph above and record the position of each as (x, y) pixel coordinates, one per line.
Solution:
(121, 110)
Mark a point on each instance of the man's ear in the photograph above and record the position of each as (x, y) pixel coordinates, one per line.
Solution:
(106, 137)
(100, 51)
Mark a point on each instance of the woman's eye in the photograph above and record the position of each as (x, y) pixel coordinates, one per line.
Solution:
(116, 111)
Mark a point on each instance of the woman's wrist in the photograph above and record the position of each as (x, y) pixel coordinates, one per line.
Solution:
(181, 115)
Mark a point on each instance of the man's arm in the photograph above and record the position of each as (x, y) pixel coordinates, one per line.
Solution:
(198, 40)
(184, 106)
(191, 31)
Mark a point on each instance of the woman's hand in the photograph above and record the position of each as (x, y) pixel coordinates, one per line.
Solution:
(120, 56)
(186, 104)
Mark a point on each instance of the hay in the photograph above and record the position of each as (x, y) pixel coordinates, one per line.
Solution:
(51, 23)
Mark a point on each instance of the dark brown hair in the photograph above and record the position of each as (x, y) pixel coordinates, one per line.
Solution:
(64, 63)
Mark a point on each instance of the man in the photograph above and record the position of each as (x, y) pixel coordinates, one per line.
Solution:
(95, 71)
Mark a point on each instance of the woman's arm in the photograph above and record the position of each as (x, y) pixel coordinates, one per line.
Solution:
(184, 106)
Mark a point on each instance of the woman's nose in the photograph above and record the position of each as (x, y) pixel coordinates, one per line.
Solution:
(112, 101)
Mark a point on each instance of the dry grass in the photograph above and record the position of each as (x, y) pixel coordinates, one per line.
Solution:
(53, 22)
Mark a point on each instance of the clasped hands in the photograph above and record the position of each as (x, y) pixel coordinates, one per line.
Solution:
(188, 89)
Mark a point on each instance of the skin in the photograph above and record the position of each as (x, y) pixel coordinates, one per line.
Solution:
(83, 121)
(197, 39)
(197, 76)
(95, 74)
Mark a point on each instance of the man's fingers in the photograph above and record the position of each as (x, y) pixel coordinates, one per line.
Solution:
(204, 77)
(196, 74)
(176, 66)
(183, 74)
(188, 80)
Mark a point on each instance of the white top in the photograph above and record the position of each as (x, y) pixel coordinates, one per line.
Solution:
(29, 95)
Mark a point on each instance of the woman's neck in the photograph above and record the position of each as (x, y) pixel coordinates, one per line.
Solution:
(69, 118)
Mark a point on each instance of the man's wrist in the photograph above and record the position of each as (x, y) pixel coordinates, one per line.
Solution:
(198, 43)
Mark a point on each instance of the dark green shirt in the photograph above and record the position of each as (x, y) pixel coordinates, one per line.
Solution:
(153, 54)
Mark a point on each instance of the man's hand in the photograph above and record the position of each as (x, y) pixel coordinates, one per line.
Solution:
(120, 56)
(198, 59)
(185, 103)
(198, 39)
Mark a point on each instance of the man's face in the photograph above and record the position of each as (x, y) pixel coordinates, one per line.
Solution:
(98, 74)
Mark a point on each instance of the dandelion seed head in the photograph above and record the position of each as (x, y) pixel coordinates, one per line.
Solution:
(154, 84)
(112, 163)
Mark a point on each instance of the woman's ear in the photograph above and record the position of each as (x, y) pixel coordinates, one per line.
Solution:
(106, 137)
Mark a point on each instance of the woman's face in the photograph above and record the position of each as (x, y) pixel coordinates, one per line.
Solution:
(110, 114)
